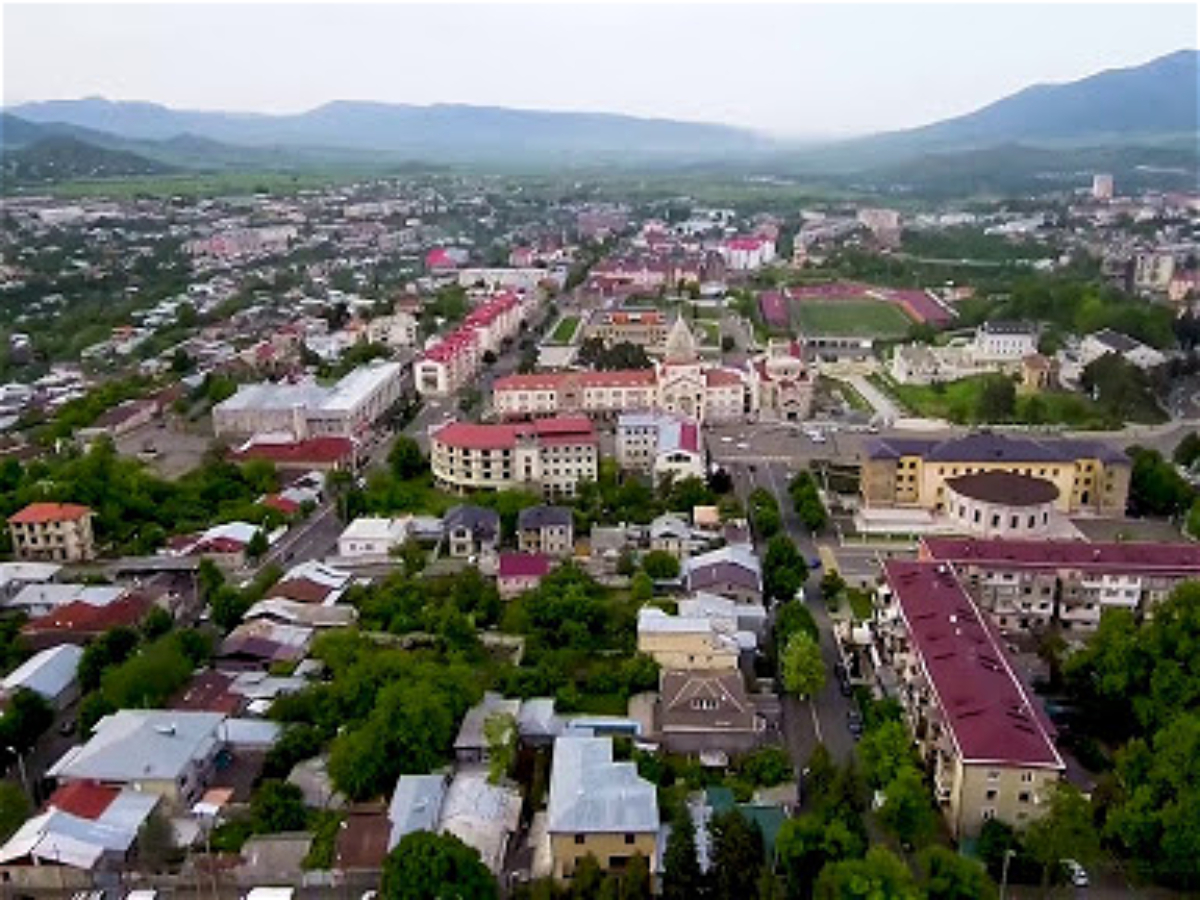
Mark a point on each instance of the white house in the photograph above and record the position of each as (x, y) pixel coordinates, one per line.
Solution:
(372, 538)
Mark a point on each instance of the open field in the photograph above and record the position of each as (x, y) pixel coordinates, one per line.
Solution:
(850, 318)
(196, 184)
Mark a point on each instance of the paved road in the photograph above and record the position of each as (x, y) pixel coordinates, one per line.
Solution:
(821, 719)
(314, 538)
(883, 405)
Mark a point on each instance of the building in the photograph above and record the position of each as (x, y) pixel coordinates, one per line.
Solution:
(471, 746)
(660, 445)
(548, 455)
(1106, 341)
(646, 328)
(1091, 476)
(171, 753)
(517, 573)
(687, 642)
(1102, 186)
(989, 749)
(307, 410)
(1029, 583)
(598, 807)
(781, 385)
(699, 711)
(997, 340)
(549, 530)
(671, 534)
(416, 805)
(368, 538)
(1152, 272)
(50, 674)
(453, 361)
(59, 532)
(732, 571)
(1001, 504)
(745, 254)
(400, 329)
(321, 454)
(471, 531)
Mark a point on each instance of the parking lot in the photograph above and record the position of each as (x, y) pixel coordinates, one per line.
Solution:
(170, 450)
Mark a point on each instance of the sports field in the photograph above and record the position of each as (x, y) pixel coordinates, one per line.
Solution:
(850, 318)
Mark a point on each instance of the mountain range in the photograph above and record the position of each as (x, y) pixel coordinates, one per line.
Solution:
(1155, 104)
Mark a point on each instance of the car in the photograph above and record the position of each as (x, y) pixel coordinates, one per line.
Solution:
(742, 445)
(1076, 874)
(726, 439)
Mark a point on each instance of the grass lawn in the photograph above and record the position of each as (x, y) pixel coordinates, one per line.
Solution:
(860, 604)
(850, 318)
(957, 401)
(565, 330)
(852, 397)
(708, 332)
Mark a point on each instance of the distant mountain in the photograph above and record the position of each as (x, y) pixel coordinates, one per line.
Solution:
(442, 131)
(61, 157)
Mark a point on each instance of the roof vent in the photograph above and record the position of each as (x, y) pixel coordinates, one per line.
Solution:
(165, 729)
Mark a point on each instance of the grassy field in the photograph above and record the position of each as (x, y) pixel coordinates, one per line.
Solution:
(565, 330)
(850, 318)
(197, 184)
(708, 333)
(958, 401)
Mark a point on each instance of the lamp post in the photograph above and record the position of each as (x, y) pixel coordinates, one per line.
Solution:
(21, 769)
(1008, 855)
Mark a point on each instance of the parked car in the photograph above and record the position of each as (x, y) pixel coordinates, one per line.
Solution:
(1076, 874)
(854, 723)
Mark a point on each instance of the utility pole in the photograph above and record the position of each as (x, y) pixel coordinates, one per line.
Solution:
(1008, 855)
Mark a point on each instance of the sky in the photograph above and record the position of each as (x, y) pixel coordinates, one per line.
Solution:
(788, 69)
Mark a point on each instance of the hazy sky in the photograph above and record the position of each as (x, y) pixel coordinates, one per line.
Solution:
(791, 69)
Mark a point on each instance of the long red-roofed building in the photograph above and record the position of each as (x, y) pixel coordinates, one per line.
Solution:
(1025, 584)
(991, 749)
(551, 455)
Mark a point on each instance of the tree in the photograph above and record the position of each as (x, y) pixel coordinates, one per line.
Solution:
(587, 881)
(660, 565)
(997, 399)
(157, 623)
(228, 607)
(737, 856)
(427, 866)
(1187, 451)
(946, 875)
(832, 585)
(257, 546)
(784, 569)
(636, 883)
(500, 732)
(278, 806)
(806, 844)
(1064, 831)
(884, 751)
(879, 875)
(791, 617)
(641, 588)
(406, 459)
(906, 811)
(682, 878)
(14, 809)
(801, 666)
(26, 718)
(728, 344)
(156, 842)
(1155, 487)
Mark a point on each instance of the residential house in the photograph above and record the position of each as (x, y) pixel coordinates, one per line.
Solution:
(732, 571)
(1105, 341)
(372, 538)
(166, 752)
(549, 530)
(702, 710)
(471, 531)
(517, 573)
(58, 532)
(684, 642)
(598, 807)
(471, 746)
(671, 534)
(50, 673)
(311, 582)
(416, 805)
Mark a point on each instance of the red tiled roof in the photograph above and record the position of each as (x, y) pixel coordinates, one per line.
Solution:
(988, 714)
(85, 618)
(1180, 559)
(523, 565)
(283, 504)
(721, 377)
(302, 590)
(84, 799)
(526, 381)
(49, 512)
(208, 692)
(471, 436)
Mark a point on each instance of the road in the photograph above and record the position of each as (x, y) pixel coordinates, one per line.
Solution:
(314, 538)
(822, 718)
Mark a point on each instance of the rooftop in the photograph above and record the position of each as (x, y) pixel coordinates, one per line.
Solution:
(134, 745)
(986, 446)
(988, 714)
(1176, 559)
(416, 805)
(1006, 488)
(590, 793)
(37, 513)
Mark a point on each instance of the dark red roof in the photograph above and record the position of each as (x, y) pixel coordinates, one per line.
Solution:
(1174, 559)
(208, 692)
(283, 504)
(302, 590)
(559, 430)
(330, 449)
(524, 565)
(988, 713)
(84, 799)
(80, 617)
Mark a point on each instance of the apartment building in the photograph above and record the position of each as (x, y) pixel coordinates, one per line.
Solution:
(61, 532)
(597, 394)
(660, 445)
(687, 642)
(1026, 584)
(1091, 476)
(997, 340)
(988, 746)
(644, 327)
(454, 360)
(550, 455)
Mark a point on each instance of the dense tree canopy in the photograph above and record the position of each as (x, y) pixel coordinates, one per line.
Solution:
(427, 866)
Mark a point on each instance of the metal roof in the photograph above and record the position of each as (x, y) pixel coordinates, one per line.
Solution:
(590, 793)
(416, 805)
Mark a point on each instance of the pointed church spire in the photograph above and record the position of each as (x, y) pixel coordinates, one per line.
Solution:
(681, 345)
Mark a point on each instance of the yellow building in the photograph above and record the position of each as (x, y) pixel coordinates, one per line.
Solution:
(973, 722)
(598, 807)
(685, 642)
(61, 532)
(1090, 475)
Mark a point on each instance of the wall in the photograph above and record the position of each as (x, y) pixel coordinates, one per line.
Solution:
(566, 853)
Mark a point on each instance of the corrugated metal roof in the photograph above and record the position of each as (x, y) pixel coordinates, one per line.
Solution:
(590, 793)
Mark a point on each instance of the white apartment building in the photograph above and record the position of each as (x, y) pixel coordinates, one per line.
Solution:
(1005, 340)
